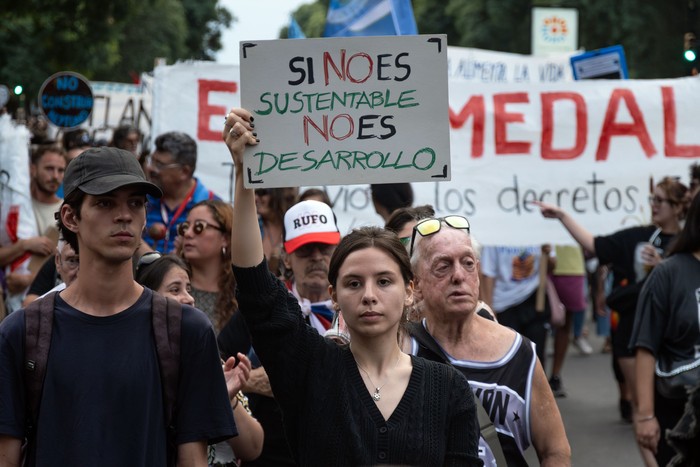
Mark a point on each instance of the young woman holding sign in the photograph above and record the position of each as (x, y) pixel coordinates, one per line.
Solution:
(367, 403)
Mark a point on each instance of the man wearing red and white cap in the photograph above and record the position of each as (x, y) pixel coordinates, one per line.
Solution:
(310, 237)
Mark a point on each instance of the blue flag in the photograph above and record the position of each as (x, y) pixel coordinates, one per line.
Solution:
(294, 31)
(370, 18)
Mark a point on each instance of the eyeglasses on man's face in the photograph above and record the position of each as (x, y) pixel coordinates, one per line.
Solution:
(431, 226)
(305, 251)
(157, 166)
(198, 227)
(70, 263)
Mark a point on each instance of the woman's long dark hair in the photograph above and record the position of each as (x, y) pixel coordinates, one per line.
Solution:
(688, 240)
(152, 275)
(226, 303)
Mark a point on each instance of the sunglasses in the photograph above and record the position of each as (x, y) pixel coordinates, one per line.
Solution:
(307, 250)
(147, 258)
(657, 200)
(433, 225)
(197, 227)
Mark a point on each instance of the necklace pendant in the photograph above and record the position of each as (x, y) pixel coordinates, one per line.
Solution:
(376, 396)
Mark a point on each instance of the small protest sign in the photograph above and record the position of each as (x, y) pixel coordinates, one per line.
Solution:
(605, 63)
(347, 110)
(66, 99)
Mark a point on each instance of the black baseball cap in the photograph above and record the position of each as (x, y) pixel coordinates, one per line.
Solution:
(97, 171)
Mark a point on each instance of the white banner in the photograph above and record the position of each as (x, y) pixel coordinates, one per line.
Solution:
(118, 104)
(487, 66)
(591, 147)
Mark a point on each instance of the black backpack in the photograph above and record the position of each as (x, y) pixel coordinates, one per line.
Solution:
(38, 316)
(435, 353)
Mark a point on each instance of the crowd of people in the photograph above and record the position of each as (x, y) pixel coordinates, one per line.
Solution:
(297, 345)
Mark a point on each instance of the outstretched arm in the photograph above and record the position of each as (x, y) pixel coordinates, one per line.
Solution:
(246, 242)
(580, 234)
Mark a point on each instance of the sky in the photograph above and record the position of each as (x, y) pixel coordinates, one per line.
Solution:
(257, 20)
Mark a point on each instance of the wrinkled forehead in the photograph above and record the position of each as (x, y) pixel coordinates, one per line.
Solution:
(67, 250)
(447, 241)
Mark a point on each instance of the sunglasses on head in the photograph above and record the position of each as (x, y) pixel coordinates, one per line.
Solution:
(428, 227)
(198, 227)
(147, 258)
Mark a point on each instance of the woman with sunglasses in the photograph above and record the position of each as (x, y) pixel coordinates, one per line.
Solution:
(368, 402)
(169, 275)
(204, 245)
(632, 254)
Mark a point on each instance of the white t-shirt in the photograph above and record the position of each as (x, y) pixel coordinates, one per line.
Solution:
(44, 213)
(515, 270)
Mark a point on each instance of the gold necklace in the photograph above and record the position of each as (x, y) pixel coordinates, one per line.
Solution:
(376, 395)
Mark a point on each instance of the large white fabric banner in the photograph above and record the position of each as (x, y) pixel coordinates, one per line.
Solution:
(593, 147)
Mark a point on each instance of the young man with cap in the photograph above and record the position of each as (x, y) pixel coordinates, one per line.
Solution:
(102, 401)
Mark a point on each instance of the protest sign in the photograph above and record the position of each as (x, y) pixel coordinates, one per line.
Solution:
(605, 63)
(66, 100)
(347, 110)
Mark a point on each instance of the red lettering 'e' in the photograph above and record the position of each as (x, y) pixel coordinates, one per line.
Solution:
(672, 149)
(503, 118)
(548, 100)
(206, 111)
(612, 128)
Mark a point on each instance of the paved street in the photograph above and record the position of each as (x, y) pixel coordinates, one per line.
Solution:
(596, 433)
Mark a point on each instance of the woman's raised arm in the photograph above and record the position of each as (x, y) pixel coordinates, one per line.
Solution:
(246, 242)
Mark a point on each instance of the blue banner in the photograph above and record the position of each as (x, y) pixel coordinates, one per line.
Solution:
(370, 18)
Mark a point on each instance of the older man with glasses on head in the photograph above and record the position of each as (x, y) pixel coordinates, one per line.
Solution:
(55, 275)
(171, 167)
(500, 364)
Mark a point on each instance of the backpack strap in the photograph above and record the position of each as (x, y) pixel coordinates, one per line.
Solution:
(38, 325)
(38, 322)
(167, 321)
(486, 426)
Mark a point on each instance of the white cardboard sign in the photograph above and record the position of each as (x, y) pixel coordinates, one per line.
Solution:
(347, 110)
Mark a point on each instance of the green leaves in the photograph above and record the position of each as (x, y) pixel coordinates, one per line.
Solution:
(111, 40)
